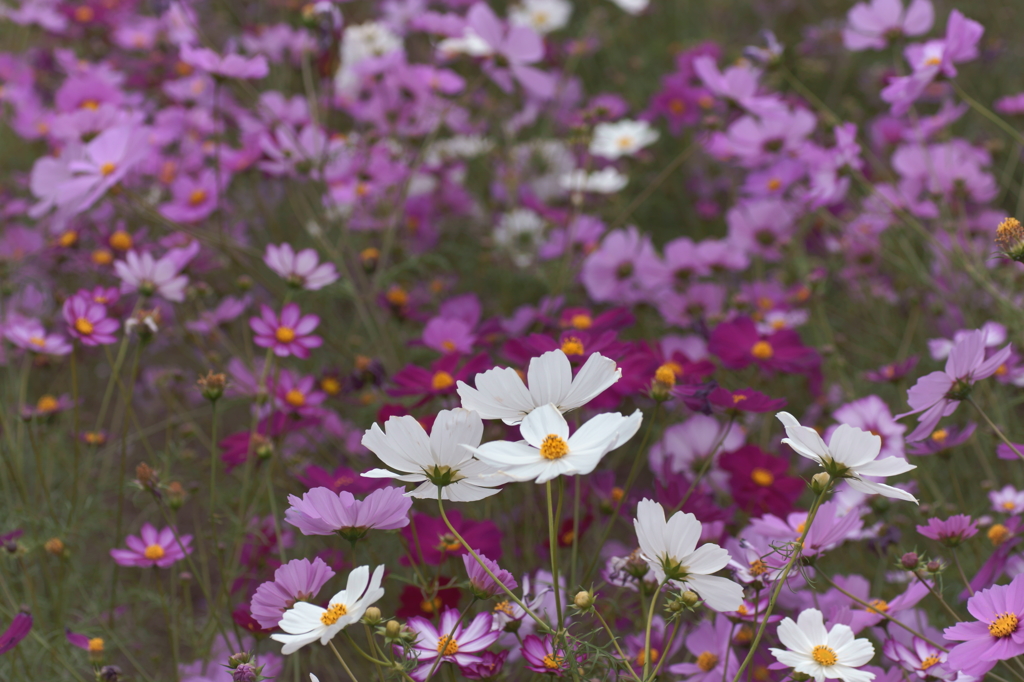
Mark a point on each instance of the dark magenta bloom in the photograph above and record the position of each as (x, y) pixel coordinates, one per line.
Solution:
(943, 439)
(433, 542)
(892, 372)
(289, 334)
(745, 400)
(759, 483)
(15, 632)
(739, 344)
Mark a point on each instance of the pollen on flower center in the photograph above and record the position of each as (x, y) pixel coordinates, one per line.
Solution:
(879, 605)
(504, 607)
(554, 447)
(998, 534)
(1003, 626)
(665, 375)
(37, 341)
(581, 321)
(154, 553)
(122, 241)
(442, 380)
(333, 613)
(447, 646)
(929, 662)
(107, 168)
(197, 197)
(707, 661)
(285, 334)
(641, 659)
(95, 645)
(572, 346)
(83, 326)
(552, 661)
(295, 398)
(774, 184)
(939, 435)
(762, 477)
(762, 350)
(758, 567)
(823, 655)
(47, 404)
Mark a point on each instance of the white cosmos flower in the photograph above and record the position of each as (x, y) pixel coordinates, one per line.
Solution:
(543, 16)
(670, 548)
(439, 460)
(824, 655)
(850, 451)
(305, 623)
(501, 394)
(632, 6)
(605, 181)
(622, 138)
(549, 451)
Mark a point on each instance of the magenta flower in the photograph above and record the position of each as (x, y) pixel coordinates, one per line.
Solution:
(759, 481)
(711, 646)
(943, 439)
(154, 548)
(938, 394)
(892, 372)
(542, 657)
(871, 26)
(1009, 500)
(950, 532)
(739, 344)
(434, 543)
(291, 334)
(323, 512)
(744, 400)
(298, 395)
(88, 322)
(449, 335)
(228, 66)
(192, 198)
(303, 270)
(995, 636)
(460, 646)
(18, 630)
(483, 585)
(919, 657)
(30, 335)
(152, 277)
(298, 580)
(489, 666)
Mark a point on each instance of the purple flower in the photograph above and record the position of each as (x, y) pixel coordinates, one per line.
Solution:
(516, 46)
(483, 585)
(711, 646)
(298, 395)
(950, 532)
(1009, 500)
(489, 666)
(15, 632)
(611, 272)
(154, 548)
(30, 335)
(291, 334)
(542, 657)
(88, 322)
(938, 394)
(921, 658)
(150, 276)
(449, 335)
(892, 372)
(943, 439)
(192, 198)
(871, 26)
(453, 643)
(995, 636)
(303, 270)
(298, 580)
(229, 66)
(323, 512)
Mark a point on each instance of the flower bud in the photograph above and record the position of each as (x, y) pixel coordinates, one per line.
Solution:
(109, 673)
(175, 495)
(246, 672)
(909, 561)
(212, 386)
(1010, 239)
(372, 616)
(54, 546)
(584, 600)
(934, 566)
(238, 659)
(393, 629)
(244, 283)
(820, 481)
(689, 598)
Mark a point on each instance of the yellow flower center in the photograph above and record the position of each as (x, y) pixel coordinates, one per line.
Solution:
(707, 661)
(295, 398)
(154, 553)
(1008, 505)
(932, 61)
(95, 645)
(552, 661)
(90, 104)
(107, 168)
(448, 345)
(801, 527)
(743, 610)
(447, 646)
(333, 613)
(581, 321)
(641, 659)
(504, 607)
(617, 494)
(665, 375)
(369, 254)
(120, 240)
(554, 447)
(37, 341)
(197, 197)
(823, 655)
(431, 605)
(998, 534)
(929, 662)
(330, 385)
(572, 346)
(1003, 626)
(102, 257)
(84, 14)
(879, 605)
(285, 334)
(68, 239)
(744, 636)
(83, 326)
(442, 380)
(397, 297)
(762, 477)
(940, 435)
(738, 398)
(774, 184)
(47, 404)
(758, 567)
(762, 350)
(677, 107)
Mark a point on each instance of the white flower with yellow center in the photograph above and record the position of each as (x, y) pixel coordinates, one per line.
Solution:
(501, 394)
(622, 138)
(670, 549)
(305, 623)
(820, 653)
(549, 451)
(543, 16)
(437, 461)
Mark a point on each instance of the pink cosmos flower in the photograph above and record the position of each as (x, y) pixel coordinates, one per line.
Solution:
(448, 335)
(18, 630)
(997, 635)
(453, 642)
(541, 656)
(30, 335)
(483, 585)
(324, 512)
(516, 46)
(291, 334)
(1009, 500)
(298, 580)
(154, 548)
(938, 394)
(711, 645)
(925, 660)
(871, 26)
(88, 322)
(298, 394)
(303, 270)
(950, 532)
(192, 198)
(228, 66)
(150, 276)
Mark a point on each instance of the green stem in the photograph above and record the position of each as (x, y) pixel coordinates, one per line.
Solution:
(960, 569)
(553, 546)
(615, 643)
(76, 436)
(647, 631)
(988, 113)
(342, 661)
(995, 428)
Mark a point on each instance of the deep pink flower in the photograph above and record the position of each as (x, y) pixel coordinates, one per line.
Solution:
(489, 666)
(18, 630)
(938, 394)
(193, 198)
(298, 580)
(30, 335)
(456, 644)
(541, 656)
(745, 400)
(154, 548)
(714, 638)
(483, 585)
(950, 532)
(228, 66)
(298, 394)
(997, 635)
(739, 344)
(441, 378)
(342, 478)
(432, 542)
(892, 372)
(759, 483)
(291, 334)
(88, 322)
(321, 511)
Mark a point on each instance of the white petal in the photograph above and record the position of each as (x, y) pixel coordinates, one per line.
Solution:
(853, 447)
(650, 528)
(549, 378)
(594, 377)
(721, 594)
(544, 421)
(706, 559)
(451, 429)
(681, 535)
(890, 466)
(499, 394)
(812, 623)
(502, 453)
(293, 643)
(871, 488)
(404, 446)
(808, 438)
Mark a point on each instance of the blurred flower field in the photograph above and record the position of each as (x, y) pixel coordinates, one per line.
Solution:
(474, 340)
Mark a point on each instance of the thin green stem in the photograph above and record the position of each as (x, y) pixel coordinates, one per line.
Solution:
(647, 630)
(553, 546)
(938, 597)
(988, 113)
(342, 661)
(615, 643)
(995, 428)
(960, 570)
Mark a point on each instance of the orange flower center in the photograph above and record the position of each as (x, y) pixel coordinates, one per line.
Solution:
(442, 380)
(295, 398)
(83, 326)
(1003, 626)
(95, 645)
(47, 404)
(553, 447)
(285, 334)
(572, 346)
(581, 321)
(333, 613)
(447, 646)
(824, 655)
(197, 197)
(154, 553)
(107, 168)
(762, 477)
(122, 241)
(552, 661)
(762, 350)
(707, 661)
(665, 375)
